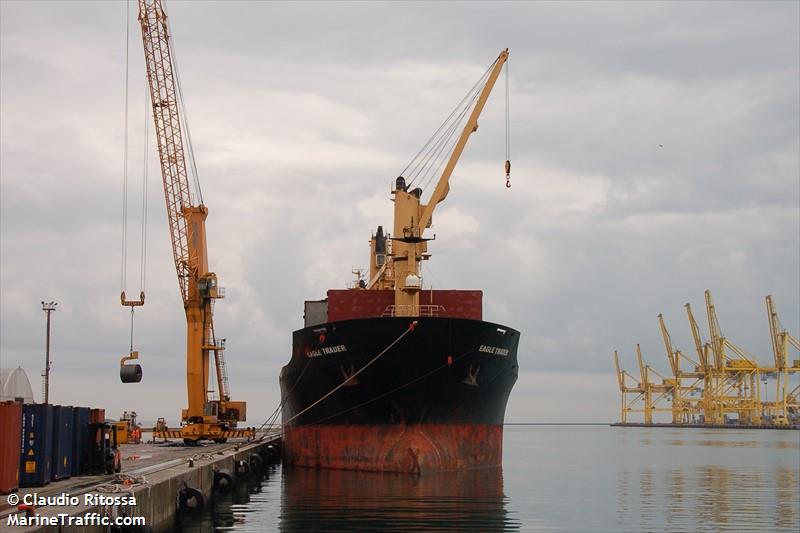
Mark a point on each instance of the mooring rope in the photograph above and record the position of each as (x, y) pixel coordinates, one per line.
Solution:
(342, 384)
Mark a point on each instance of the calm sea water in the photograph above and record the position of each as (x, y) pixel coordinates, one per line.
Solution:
(554, 478)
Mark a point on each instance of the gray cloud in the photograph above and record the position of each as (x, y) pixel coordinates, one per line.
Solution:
(302, 113)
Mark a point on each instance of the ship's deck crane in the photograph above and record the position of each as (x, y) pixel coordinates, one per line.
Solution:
(204, 418)
(395, 262)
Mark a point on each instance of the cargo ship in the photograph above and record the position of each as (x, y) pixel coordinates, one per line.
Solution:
(389, 375)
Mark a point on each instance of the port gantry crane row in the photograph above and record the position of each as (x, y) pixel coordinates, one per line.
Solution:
(727, 379)
(204, 418)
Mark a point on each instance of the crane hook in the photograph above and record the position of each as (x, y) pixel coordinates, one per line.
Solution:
(508, 174)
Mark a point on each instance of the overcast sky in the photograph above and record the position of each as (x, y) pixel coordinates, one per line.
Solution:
(655, 150)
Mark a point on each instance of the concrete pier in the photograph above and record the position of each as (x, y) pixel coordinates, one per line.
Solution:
(159, 473)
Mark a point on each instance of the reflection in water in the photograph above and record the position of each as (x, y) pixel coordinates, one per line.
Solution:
(564, 479)
(247, 508)
(333, 500)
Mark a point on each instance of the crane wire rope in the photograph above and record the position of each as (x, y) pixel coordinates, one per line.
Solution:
(432, 162)
(143, 253)
(125, 175)
(124, 259)
(448, 141)
(436, 154)
(508, 130)
(434, 157)
(416, 161)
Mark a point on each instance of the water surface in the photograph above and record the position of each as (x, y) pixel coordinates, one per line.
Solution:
(554, 478)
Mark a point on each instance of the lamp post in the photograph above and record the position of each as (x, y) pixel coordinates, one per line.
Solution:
(47, 307)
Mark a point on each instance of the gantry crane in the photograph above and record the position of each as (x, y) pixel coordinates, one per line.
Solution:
(204, 418)
(649, 394)
(628, 406)
(395, 262)
(684, 406)
(786, 401)
(654, 393)
(705, 368)
(737, 373)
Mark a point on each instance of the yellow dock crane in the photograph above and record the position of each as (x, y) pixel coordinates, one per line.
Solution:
(706, 369)
(786, 401)
(684, 405)
(629, 405)
(395, 262)
(204, 418)
(648, 397)
(655, 394)
(738, 373)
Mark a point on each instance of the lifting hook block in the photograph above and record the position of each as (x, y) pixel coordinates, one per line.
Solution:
(132, 303)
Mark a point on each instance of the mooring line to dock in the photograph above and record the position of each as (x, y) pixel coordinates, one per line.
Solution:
(342, 384)
(404, 385)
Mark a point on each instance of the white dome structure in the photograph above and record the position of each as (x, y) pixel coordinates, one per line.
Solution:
(15, 385)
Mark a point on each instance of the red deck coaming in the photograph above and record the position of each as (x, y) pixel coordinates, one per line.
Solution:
(348, 304)
(394, 448)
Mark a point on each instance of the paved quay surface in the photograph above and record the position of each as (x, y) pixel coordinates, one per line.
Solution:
(154, 467)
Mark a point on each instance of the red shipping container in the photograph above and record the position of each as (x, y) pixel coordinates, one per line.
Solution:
(97, 416)
(10, 439)
(348, 304)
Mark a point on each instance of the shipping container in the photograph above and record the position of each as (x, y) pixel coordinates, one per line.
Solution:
(97, 416)
(80, 439)
(62, 442)
(10, 431)
(35, 465)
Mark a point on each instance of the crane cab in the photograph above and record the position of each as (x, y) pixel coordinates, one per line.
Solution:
(209, 286)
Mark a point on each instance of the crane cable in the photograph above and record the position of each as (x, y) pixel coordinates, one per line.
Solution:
(421, 166)
(508, 132)
(143, 247)
(124, 258)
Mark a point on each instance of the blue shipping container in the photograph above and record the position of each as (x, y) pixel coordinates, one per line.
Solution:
(37, 445)
(62, 442)
(80, 440)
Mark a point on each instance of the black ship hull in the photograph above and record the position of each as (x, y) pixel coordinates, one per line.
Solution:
(398, 394)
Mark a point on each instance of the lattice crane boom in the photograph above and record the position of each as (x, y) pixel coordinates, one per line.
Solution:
(166, 115)
(203, 418)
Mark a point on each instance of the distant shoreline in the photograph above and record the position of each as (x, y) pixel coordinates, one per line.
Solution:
(556, 424)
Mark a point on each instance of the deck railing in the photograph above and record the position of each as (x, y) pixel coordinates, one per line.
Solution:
(413, 310)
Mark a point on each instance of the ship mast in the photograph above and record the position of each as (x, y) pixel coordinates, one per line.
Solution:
(409, 246)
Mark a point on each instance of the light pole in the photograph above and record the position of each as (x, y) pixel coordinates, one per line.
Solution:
(47, 307)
